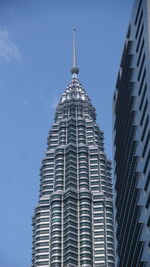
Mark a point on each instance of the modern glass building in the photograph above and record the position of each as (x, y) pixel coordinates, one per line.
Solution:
(73, 221)
(132, 142)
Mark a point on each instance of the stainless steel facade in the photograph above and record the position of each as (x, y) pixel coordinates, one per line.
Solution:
(73, 221)
(132, 142)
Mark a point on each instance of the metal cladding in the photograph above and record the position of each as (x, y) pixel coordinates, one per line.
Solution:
(132, 142)
(73, 221)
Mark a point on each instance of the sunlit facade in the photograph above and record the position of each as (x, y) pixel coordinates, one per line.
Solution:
(73, 221)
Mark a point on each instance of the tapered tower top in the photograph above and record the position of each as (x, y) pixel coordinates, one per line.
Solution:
(74, 69)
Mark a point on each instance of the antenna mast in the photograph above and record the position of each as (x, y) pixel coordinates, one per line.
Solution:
(74, 68)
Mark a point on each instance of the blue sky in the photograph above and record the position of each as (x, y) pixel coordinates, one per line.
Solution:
(35, 61)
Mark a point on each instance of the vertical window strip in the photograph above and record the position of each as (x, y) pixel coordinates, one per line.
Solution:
(138, 11)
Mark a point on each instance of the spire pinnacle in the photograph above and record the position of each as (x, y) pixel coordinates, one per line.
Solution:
(74, 68)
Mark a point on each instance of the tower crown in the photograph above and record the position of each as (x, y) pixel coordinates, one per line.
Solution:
(75, 90)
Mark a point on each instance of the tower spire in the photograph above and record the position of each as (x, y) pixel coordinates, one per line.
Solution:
(74, 68)
(74, 47)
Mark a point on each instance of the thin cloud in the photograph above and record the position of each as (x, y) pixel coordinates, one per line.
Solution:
(8, 49)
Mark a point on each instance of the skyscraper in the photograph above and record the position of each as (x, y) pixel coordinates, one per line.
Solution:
(132, 142)
(73, 221)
